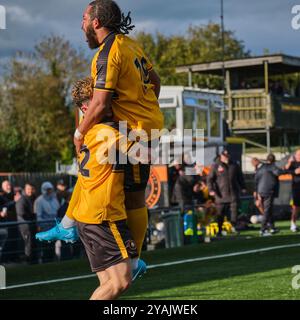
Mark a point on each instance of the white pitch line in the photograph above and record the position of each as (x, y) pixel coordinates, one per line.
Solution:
(167, 264)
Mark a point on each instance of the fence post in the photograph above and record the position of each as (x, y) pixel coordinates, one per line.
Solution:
(2, 278)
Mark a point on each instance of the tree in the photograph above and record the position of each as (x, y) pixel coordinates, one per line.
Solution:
(200, 44)
(39, 119)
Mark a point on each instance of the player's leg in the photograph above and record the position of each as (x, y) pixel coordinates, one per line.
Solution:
(118, 281)
(137, 216)
(109, 247)
(136, 178)
(295, 209)
(103, 277)
(137, 221)
(294, 217)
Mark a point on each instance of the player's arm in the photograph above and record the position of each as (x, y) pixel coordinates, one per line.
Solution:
(105, 81)
(99, 107)
(155, 80)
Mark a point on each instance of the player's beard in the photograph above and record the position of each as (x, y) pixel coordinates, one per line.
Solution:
(92, 37)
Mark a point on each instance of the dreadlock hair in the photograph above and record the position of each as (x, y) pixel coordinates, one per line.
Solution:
(110, 16)
(82, 91)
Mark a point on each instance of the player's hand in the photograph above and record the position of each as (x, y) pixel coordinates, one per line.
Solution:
(297, 171)
(212, 193)
(244, 191)
(78, 144)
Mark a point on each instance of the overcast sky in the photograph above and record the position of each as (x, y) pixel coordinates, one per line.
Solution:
(260, 23)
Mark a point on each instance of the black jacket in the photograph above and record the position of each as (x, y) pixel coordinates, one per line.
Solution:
(24, 209)
(266, 180)
(226, 181)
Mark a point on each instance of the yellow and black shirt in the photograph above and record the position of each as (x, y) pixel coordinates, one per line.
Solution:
(120, 66)
(99, 191)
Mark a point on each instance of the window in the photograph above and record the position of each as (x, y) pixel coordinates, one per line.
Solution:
(215, 123)
(170, 118)
(202, 119)
(166, 101)
(188, 118)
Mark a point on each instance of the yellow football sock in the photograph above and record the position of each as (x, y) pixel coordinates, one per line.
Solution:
(137, 221)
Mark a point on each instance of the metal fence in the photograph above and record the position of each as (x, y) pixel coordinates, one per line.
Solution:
(18, 244)
(165, 229)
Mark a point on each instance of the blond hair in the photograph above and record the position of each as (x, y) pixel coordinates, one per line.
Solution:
(82, 91)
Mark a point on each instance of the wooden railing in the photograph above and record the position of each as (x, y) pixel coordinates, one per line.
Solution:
(249, 109)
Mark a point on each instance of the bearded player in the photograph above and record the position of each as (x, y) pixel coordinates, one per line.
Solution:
(125, 81)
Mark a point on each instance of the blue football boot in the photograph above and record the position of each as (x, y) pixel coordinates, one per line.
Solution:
(140, 270)
(59, 233)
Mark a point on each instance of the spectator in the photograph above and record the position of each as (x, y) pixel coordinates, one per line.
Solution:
(33, 193)
(7, 190)
(293, 166)
(46, 207)
(61, 192)
(183, 189)
(225, 181)
(24, 209)
(257, 200)
(3, 230)
(201, 192)
(244, 85)
(10, 199)
(267, 189)
(174, 173)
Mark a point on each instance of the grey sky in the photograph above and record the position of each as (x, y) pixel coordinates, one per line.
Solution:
(260, 23)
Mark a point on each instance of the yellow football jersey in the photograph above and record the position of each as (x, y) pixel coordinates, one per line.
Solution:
(99, 191)
(120, 66)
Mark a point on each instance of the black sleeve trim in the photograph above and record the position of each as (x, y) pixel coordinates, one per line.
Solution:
(102, 62)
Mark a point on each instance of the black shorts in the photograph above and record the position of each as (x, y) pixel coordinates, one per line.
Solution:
(107, 244)
(136, 177)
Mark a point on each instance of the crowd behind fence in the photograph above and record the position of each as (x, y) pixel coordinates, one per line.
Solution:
(193, 209)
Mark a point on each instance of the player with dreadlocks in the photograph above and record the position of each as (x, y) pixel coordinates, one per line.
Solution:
(126, 88)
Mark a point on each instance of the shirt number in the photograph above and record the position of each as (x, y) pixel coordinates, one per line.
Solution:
(84, 172)
(142, 67)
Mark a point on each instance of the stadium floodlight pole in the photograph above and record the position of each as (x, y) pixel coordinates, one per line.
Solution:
(223, 43)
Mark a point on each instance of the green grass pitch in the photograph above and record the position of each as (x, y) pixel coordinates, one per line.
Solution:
(265, 275)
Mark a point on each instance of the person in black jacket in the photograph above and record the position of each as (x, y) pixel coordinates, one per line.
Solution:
(225, 181)
(24, 209)
(267, 189)
(10, 252)
(3, 230)
(293, 166)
